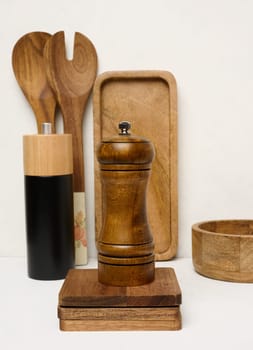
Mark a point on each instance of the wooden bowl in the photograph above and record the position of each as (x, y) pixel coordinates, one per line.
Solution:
(224, 249)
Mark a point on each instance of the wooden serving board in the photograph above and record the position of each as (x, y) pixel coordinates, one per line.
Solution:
(86, 304)
(148, 100)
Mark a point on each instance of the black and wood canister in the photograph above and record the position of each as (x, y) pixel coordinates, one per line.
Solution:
(125, 243)
(48, 168)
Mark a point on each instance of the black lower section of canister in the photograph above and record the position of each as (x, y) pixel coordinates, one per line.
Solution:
(49, 226)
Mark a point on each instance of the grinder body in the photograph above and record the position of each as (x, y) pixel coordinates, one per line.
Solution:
(125, 243)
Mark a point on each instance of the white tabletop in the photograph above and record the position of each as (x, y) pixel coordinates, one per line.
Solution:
(215, 315)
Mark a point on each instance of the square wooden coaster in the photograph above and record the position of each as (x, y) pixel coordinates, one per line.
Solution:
(87, 305)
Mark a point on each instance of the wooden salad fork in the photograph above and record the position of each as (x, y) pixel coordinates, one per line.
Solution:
(72, 82)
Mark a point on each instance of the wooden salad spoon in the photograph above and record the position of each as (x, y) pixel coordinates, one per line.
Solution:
(29, 69)
(72, 82)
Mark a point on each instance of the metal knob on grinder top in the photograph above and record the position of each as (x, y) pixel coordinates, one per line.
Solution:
(124, 127)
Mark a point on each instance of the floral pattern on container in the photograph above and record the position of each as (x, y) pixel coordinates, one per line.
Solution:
(80, 232)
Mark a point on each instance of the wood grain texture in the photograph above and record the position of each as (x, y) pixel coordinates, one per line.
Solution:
(29, 69)
(87, 305)
(118, 313)
(148, 100)
(224, 249)
(125, 325)
(125, 275)
(81, 288)
(48, 155)
(72, 82)
(125, 243)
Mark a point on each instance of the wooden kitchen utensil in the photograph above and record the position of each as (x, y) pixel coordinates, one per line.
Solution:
(29, 69)
(72, 82)
(148, 99)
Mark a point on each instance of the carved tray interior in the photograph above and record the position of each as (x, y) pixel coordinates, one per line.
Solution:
(148, 100)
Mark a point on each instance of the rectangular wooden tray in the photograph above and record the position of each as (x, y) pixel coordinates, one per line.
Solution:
(148, 100)
(86, 304)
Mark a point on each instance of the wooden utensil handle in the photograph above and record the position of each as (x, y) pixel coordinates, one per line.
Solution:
(79, 194)
(75, 128)
(80, 228)
(78, 160)
(72, 109)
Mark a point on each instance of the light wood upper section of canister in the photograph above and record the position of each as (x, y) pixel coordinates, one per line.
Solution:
(48, 155)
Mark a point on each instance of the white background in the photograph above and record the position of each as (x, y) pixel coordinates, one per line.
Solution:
(207, 45)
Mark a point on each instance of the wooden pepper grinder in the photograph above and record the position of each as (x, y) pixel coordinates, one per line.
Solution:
(125, 243)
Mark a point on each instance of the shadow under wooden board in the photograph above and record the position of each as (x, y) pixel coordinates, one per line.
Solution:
(148, 100)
